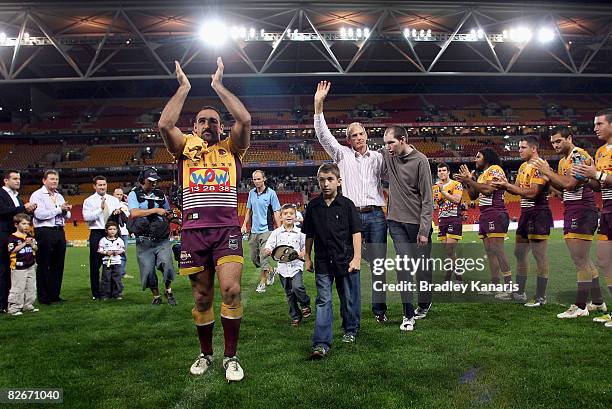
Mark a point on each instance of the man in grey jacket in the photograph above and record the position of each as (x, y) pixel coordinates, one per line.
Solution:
(409, 214)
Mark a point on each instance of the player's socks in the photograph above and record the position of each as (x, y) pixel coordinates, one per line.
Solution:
(231, 316)
(495, 280)
(507, 277)
(205, 335)
(458, 278)
(596, 295)
(541, 284)
(522, 282)
(205, 322)
(583, 294)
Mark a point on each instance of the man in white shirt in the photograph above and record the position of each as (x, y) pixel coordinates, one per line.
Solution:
(97, 208)
(50, 216)
(361, 171)
(291, 272)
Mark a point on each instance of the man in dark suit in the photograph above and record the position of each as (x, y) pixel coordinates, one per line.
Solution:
(10, 205)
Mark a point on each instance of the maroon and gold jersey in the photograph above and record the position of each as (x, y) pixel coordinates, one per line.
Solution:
(582, 196)
(494, 201)
(24, 258)
(209, 177)
(603, 163)
(528, 175)
(448, 208)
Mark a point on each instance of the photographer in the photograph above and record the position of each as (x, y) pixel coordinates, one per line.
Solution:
(148, 222)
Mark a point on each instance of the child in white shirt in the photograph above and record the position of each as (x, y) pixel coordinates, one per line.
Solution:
(111, 247)
(291, 272)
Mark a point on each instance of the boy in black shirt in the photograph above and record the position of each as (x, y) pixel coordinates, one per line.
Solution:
(22, 247)
(333, 224)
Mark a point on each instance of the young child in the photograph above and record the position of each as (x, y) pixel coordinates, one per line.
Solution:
(291, 272)
(111, 247)
(333, 224)
(22, 248)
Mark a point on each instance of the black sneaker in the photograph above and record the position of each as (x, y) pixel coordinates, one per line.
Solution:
(420, 313)
(318, 352)
(381, 319)
(157, 300)
(171, 299)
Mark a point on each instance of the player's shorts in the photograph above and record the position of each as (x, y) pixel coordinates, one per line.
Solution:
(605, 227)
(204, 249)
(579, 223)
(450, 227)
(493, 224)
(535, 224)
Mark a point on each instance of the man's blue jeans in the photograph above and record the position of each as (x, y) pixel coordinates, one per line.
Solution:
(374, 238)
(348, 288)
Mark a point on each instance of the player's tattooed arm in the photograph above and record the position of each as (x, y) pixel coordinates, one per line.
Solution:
(240, 133)
(171, 134)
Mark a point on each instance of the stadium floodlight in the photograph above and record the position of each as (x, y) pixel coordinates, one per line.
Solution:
(26, 36)
(480, 34)
(252, 33)
(343, 32)
(243, 33)
(520, 34)
(546, 35)
(422, 33)
(2, 38)
(406, 32)
(505, 34)
(414, 33)
(214, 33)
(262, 32)
(350, 32)
(473, 34)
(235, 33)
(359, 33)
(366, 32)
(428, 34)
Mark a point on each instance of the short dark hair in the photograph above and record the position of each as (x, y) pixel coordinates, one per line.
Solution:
(329, 168)
(7, 173)
(110, 223)
(398, 132)
(50, 172)
(531, 141)
(211, 108)
(605, 112)
(490, 156)
(443, 165)
(287, 206)
(99, 177)
(21, 216)
(564, 131)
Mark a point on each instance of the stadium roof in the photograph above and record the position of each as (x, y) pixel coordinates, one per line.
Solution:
(49, 41)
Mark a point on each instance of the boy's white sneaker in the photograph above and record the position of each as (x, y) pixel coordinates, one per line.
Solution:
(407, 324)
(573, 312)
(261, 288)
(233, 370)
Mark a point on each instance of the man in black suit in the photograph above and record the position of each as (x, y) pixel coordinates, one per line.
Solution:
(10, 205)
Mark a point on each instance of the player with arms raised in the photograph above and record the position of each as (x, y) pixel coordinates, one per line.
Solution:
(210, 168)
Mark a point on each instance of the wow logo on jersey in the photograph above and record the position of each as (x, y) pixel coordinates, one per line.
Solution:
(209, 180)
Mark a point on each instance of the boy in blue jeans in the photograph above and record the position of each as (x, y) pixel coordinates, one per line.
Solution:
(333, 224)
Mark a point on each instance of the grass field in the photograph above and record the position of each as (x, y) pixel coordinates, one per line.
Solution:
(129, 354)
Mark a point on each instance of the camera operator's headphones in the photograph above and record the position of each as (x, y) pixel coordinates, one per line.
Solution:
(141, 175)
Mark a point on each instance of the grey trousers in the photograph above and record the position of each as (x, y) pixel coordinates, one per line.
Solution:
(152, 254)
(257, 244)
(23, 290)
